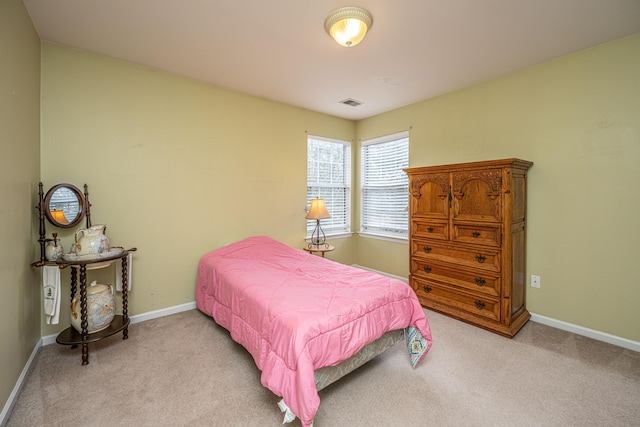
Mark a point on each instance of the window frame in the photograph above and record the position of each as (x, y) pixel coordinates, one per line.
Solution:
(328, 225)
(378, 232)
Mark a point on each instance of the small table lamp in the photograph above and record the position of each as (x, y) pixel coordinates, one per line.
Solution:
(317, 211)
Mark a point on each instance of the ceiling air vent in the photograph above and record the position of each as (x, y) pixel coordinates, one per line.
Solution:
(351, 102)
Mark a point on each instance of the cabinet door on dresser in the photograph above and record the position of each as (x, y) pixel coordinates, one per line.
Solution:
(429, 206)
(477, 195)
(477, 207)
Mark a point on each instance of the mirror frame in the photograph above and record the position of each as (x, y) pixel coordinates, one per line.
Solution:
(81, 201)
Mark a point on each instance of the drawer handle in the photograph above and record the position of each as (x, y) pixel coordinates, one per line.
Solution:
(480, 258)
(427, 269)
(427, 249)
(427, 289)
(476, 234)
(430, 229)
(479, 305)
(480, 281)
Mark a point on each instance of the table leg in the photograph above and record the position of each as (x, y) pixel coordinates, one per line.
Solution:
(125, 297)
(74, 289)
(83, 313)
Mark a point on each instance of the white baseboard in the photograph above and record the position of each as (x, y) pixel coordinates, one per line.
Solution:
(586, 332)
(404, 279)
(11, 401)
(163, 312)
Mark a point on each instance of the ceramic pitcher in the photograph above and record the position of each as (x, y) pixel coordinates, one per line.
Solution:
(92, 240)
(53, 250)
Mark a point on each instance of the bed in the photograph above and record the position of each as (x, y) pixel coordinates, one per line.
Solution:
(306, 320)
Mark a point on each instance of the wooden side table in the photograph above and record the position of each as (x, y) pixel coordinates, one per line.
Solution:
(319, 248)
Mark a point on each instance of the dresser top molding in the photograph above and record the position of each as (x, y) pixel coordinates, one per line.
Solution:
(512, 163)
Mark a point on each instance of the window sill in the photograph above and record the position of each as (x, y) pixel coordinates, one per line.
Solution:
(340, 235)
(384, 237)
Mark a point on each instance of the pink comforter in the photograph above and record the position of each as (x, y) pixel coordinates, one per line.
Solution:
(296, 312)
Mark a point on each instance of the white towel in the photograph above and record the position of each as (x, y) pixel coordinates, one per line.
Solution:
(51, 289)
(119, 273)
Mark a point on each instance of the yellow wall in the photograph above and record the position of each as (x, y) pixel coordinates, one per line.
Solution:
(175, 167)
(146, 141)
(19, 175)
(578, 119)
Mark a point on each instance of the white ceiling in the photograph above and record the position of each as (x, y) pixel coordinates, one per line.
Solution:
(279, 50)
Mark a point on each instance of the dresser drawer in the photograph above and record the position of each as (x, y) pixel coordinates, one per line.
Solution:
(476, 281)
(483, 259)
(442, 298)
(488, 235)
(430, 229)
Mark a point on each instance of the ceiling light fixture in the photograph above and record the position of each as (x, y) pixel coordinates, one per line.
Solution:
(348, 25)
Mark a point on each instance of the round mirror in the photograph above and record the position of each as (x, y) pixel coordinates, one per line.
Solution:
(64, 205)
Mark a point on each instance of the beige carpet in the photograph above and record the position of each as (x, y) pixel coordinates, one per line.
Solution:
(185, 370)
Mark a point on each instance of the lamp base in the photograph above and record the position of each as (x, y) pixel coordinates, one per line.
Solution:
(317, 237)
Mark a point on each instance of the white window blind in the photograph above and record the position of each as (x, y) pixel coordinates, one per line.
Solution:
(329, 177)
(385, 186)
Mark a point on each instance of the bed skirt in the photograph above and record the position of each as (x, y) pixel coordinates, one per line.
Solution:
(330, 374)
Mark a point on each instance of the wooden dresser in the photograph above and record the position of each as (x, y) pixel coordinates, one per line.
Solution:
(467, 239)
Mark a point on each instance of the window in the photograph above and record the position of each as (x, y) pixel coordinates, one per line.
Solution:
(329, 177)
(385, 186)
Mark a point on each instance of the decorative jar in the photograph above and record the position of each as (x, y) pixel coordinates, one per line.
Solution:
(101, 308)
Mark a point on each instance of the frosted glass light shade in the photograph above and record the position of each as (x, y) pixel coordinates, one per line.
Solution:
(348, 25)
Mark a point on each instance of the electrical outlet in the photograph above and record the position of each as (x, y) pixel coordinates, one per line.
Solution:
(535, 281)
